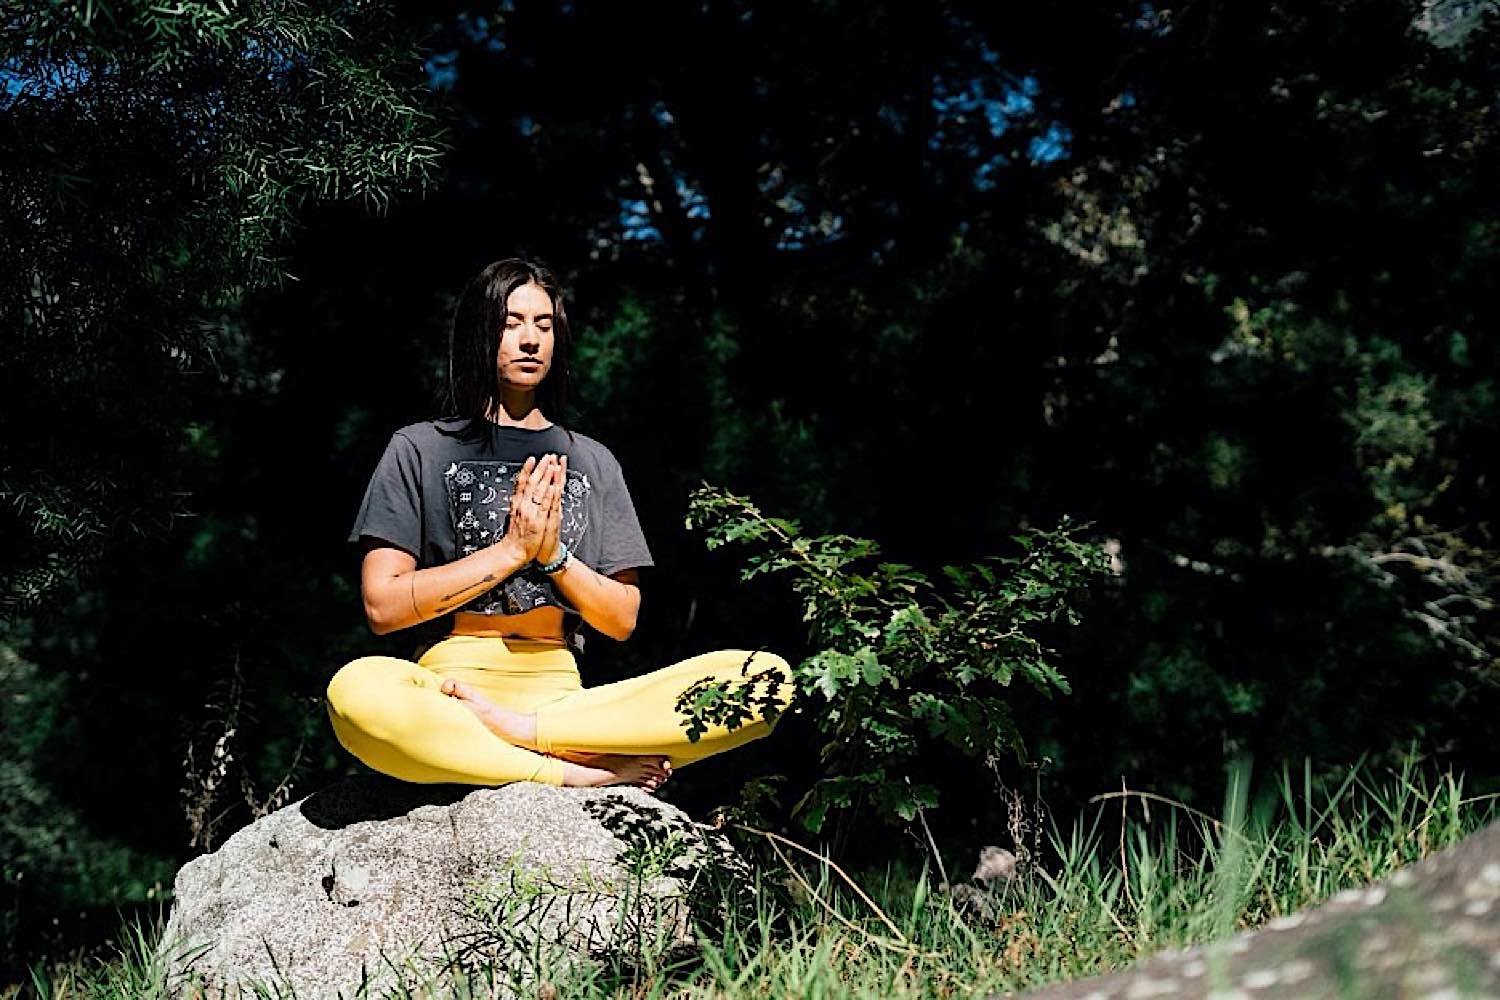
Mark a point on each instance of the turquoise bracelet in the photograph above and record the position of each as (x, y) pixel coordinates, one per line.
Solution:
(556, 564)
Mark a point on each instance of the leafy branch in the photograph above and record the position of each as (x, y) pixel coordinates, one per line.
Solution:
(900, 662)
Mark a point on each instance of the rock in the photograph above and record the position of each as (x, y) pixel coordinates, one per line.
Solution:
(974, 904)
(393, 884)
(996, 867)
(979, 900)
(1431, 929)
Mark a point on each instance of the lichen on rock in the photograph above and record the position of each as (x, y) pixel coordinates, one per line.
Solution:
(1432, 929)
(374, 884)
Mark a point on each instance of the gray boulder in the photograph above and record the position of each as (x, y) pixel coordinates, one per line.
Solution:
(1431, 930)
(374, 885)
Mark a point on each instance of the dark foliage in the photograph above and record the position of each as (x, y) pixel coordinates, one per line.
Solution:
(1213, 278)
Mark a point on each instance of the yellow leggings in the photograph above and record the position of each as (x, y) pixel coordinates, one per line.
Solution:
(392, 714)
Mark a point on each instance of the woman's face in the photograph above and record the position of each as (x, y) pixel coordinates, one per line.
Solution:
(526, 341)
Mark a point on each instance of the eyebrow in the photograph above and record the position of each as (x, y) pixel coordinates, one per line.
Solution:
(518, 315)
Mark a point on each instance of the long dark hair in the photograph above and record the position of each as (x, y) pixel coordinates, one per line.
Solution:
(474, 344)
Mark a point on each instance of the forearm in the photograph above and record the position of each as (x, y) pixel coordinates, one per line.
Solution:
(419, 595)
(606, 604)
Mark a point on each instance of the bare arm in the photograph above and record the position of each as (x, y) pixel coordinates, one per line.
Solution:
(608, 603)
(397, 595)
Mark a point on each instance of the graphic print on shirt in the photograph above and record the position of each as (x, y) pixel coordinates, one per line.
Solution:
(479, 495)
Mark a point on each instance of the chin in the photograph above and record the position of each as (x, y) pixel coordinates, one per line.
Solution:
(525, 380)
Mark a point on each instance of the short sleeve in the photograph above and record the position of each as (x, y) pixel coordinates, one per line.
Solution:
(623, 544)
(392, 507)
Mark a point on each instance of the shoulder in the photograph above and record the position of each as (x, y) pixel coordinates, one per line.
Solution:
(425, 435)
(594, 451)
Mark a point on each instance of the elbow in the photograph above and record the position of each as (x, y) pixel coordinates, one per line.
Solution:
(623, 626)
(631, 615)
(378, 618)
(621, 630)
(622, 611)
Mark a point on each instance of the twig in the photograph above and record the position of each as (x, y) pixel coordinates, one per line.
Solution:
(1219, 826)
(778, 838)
(1479, 798)
(1124, 931)
(903, 947)
(1124, 860)
(922, 815)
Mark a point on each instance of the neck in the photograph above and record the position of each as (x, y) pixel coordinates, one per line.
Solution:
(517, 408)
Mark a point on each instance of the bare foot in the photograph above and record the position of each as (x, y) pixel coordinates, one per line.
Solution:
(512, 727)
(594, 770)
(582, 770)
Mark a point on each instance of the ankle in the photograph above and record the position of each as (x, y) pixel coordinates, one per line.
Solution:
(582, 776)
(524, 731)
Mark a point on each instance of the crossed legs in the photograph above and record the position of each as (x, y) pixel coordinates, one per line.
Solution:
(443, 723)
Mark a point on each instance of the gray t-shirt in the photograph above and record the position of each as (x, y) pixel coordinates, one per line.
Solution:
(439, 497)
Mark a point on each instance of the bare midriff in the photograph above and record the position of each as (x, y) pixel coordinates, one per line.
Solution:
(545, 622)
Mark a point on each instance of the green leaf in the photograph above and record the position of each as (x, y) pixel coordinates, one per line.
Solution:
(875, 631)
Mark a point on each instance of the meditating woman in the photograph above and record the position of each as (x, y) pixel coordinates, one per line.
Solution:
(520, 530)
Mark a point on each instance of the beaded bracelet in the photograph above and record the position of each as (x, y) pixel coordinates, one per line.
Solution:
(556, 564)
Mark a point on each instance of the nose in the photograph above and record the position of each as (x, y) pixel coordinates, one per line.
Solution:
(531, 337)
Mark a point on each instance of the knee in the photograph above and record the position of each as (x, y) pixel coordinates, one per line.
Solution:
(354, 690)
(773, 675)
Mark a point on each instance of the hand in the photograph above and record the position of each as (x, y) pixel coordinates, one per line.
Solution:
(547, 551)
(536, 492)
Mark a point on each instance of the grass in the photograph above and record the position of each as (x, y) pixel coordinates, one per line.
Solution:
(1133, 876)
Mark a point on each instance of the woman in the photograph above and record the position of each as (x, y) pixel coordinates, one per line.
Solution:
(520, 530)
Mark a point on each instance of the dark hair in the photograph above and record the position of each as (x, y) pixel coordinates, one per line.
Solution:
(474, 344)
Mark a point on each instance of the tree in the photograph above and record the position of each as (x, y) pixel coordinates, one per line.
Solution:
(156, 158)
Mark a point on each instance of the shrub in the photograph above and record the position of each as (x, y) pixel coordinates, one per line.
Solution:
(900, 663)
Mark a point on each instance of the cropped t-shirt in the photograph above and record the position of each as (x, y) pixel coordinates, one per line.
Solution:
(440, 494)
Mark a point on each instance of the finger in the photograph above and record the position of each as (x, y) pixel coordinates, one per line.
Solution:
(543, 478)
(537, 482)
(550, 496)
(523, 477)
(552, 518)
